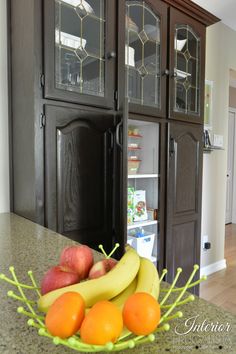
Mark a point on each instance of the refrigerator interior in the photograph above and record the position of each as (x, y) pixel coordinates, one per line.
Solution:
(143, 187)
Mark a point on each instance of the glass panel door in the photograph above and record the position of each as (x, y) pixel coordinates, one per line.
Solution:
(80, 46)
(143, 188)
(142, 54)
(186, 70)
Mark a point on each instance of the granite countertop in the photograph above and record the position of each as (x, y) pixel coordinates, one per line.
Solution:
(29, 246)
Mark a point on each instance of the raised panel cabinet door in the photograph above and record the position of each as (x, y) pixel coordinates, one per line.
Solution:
(184, 186)
(145, 56)
(78, 174)
(80, 51)
(187, 68)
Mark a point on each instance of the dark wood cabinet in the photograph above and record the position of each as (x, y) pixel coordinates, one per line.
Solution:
(80, 52)
(81, 72)
(146, 56)
(183, 219)
(79, 168)
(187, 68)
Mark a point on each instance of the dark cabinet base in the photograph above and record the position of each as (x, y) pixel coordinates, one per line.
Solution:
(183, 223)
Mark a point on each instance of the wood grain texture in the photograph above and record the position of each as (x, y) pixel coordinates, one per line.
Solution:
(183, 199)
(194, 10)
(220, 287)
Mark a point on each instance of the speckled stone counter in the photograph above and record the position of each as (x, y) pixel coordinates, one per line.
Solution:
(29, 246)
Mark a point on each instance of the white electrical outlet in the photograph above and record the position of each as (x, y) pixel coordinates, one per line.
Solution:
(218, 140)
(204, 240)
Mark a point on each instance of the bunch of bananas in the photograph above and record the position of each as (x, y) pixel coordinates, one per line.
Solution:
(131, 274)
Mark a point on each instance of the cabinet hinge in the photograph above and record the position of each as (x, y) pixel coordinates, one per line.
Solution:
(172, 146)
(42, 80)
(115, 95)
(42, 120)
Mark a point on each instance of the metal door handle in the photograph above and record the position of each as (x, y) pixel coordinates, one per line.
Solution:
(118, 142)
(111, 55)
(166, 72)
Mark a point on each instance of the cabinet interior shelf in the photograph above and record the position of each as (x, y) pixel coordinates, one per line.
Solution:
(151, 175)
(141, 223)
(211, 148)
(135, 136)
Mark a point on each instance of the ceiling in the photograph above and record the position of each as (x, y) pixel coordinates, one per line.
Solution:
(224, 9)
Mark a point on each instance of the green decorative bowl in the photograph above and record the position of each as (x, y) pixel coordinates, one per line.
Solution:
(28, 295)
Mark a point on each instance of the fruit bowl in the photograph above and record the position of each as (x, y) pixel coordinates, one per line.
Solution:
(28, 294)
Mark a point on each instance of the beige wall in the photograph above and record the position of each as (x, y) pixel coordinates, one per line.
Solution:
(4, 151)
(232, 97)
(220, 57)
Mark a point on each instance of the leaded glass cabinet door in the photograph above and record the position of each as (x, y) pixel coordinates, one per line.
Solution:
(80, 51)
(145, 56)
(186, 68)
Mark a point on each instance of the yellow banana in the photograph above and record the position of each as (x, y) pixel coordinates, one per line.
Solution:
(120, 299)
(103, 288)
(148, 278)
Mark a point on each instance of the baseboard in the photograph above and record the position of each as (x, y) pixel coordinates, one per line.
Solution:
(214, 267)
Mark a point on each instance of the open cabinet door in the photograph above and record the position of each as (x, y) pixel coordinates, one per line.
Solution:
(78, 174)
(120, 179)
(184, 186)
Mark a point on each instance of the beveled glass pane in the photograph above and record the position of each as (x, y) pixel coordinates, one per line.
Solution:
(94, 35)
(134, 84)
(193, 97)
(142, 57)
(187, 70)
(150, 90)
(79, 46)
(181, 62)
(91, 72)
(180, 97)
(192, 44)
(192, 70)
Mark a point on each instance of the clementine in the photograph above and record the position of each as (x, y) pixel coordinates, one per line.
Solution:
(141, 313)
(65, 315)
(102, 324)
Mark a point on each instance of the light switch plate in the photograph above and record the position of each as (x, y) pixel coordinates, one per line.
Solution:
(218, 140)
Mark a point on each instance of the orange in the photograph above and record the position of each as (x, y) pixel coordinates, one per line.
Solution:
(65, 315)
(141, 313)
(102, 324)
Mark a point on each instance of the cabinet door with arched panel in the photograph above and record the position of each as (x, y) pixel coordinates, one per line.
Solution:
(187, 57)
(145, 56)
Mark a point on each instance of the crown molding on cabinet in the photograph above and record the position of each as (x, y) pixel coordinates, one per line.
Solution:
(194, 10)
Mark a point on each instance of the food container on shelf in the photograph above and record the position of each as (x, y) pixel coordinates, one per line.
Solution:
(130, 205)
(143, 244)
(134, 141)
(152, 214)
(140, 208)
(133, 166)
(133, 154)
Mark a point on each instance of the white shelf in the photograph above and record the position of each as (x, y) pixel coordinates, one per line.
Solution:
(151, 175)
(141, 223)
